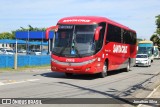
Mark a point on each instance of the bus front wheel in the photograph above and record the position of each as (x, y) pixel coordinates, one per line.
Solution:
(104, 72)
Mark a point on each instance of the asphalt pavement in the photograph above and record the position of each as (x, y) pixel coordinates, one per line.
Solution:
(140, 82)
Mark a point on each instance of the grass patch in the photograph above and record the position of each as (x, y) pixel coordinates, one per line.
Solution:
(25, 68)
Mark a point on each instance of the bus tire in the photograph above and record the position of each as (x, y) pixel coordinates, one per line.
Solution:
(104, 72)
(68, 74)
(127, 69)
(151, 61)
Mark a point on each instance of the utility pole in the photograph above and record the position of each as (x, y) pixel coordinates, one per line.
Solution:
(15, 57)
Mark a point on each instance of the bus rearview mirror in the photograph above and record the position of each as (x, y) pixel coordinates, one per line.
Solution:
(54, 28)
(97, 33)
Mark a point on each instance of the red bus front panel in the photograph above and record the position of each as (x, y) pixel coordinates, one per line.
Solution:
(87, 65)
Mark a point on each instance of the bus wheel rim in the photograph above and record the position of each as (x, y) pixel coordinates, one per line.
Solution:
(105, 68)
(128, 67)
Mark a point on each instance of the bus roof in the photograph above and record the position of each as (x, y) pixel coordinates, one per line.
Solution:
(146, 41)
(90, 20)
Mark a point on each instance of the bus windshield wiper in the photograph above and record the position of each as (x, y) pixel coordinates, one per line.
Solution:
(74, 44)
(63, 49)
(77, 52)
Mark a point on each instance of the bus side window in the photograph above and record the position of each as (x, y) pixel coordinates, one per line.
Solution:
(134, 38)
(113, 34)
(101, 37)
(129, 37)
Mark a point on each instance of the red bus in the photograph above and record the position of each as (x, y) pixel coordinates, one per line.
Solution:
(91, 45)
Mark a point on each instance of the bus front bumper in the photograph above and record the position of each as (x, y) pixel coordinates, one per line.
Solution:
(91, 67)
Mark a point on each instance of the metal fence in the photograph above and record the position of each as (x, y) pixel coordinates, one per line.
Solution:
(7, 61)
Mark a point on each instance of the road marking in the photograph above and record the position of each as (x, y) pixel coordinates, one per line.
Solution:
(154, 90)
(33, 79)
(1, 83)
(16, 82)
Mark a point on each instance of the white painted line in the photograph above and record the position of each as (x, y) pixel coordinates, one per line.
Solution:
(1, 83)
(16, 82)
(32, 79)
(154, 90)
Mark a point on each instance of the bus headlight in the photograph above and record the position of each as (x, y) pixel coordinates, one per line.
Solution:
(89, 61)
(53, 60)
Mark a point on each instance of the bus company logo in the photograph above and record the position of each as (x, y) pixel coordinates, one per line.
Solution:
(119, 49)
(70, 60)
(76, 20)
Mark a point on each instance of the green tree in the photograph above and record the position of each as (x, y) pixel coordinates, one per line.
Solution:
(156, 37)
(7, 35)
(158, 24)
(30, 28)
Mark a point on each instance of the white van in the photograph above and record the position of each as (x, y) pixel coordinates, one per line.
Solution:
(7, 51)
(143, 60)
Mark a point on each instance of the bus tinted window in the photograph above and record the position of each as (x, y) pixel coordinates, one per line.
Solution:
(134, 40)
(113, 34)
(101, 36)
(129, 37)
(126, 37)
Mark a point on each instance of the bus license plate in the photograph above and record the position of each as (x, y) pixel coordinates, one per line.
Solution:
(69, 69)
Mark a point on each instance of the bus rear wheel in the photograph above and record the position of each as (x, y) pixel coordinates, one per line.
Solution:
(104, 72)
(127, 69)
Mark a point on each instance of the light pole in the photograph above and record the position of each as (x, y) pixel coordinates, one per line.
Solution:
(15, 57)
(28, 41)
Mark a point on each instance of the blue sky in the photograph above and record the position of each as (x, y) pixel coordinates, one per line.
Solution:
(136, 14)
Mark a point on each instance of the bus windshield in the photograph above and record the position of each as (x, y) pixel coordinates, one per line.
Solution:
(143, 50)
(74, 41)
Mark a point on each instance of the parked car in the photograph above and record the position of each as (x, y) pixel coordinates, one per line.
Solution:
(3, 48)
(1, 52)
(28, 52)
(7, 51)
(44, 52)
(21, 51)
(35, 52)
(143, 60)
